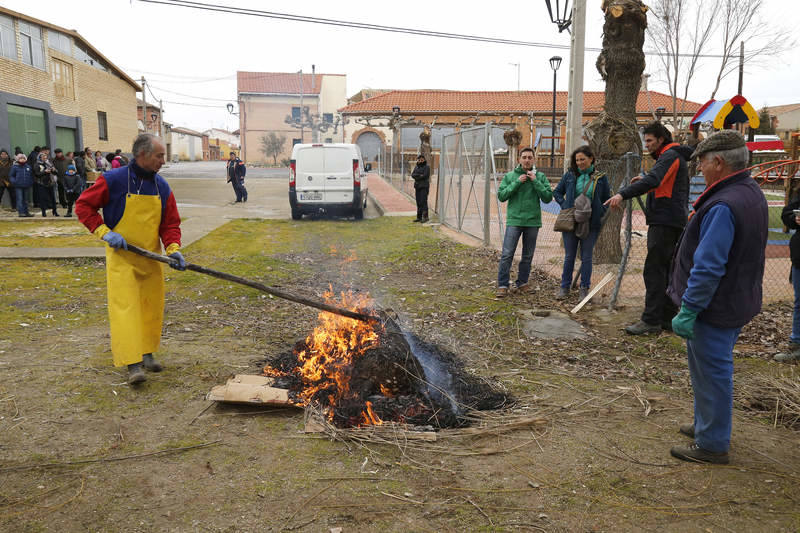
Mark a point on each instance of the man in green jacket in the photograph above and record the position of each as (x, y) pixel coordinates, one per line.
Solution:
(523, 189)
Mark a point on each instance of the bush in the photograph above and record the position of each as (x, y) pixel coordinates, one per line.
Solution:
(285, 162)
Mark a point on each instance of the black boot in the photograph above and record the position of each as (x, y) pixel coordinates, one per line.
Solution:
(151, 364)
(136, 374)
(55, 213)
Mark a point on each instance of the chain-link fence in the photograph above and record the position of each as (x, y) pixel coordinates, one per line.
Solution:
(465, 193)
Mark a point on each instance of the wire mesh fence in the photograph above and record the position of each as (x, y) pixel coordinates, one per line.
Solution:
(464, 189)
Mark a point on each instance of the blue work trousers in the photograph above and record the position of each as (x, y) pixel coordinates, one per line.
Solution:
(513, 233)
(571, 251)
(711, 369)
(795, 338)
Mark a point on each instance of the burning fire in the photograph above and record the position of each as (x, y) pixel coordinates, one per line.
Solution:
(326, 363)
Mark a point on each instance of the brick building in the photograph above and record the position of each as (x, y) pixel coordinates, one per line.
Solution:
(530, 112)
(56, 89)
(267, 99)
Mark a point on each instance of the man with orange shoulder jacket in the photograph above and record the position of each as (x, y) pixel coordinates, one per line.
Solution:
(667, 189)
(138, 208)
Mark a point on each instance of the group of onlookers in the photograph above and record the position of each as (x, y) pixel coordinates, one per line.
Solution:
(49, 181)
(703, 273)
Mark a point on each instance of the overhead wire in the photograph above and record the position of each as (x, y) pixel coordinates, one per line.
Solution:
(220, 8)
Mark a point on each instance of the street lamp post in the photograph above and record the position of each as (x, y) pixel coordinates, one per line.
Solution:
(555, 62)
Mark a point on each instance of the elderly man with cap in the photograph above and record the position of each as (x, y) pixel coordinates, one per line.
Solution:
(716, 280)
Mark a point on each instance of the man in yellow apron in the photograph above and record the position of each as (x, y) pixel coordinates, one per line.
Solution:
(138, 208)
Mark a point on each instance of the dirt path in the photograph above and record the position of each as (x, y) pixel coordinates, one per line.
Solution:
(599, 462)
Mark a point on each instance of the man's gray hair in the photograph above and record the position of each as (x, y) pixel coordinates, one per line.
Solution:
(737, 158)
(145, 143)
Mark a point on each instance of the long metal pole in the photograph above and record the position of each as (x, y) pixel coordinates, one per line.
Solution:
(553, 128)
(144, 105)
(629, 171)
(487, 173)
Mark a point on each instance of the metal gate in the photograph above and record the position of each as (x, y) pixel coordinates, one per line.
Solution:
(468, 181)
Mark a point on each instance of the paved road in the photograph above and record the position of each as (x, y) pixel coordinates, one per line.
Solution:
(216, 169)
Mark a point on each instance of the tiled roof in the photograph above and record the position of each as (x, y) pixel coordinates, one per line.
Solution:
(187, 131)
(278, 82)
(779, 109)
(502, 102)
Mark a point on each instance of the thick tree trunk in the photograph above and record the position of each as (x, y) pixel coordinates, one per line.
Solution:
(614, 132)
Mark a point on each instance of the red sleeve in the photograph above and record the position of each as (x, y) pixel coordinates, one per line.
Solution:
(170, 229)
(89, 203)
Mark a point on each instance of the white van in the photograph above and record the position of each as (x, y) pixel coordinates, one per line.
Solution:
(327, 178)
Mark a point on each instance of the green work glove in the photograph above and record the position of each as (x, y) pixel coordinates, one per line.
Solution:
(683, 323)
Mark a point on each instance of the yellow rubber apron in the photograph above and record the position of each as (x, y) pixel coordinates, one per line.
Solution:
(135, 283)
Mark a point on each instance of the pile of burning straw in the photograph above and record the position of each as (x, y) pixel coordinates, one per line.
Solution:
(361, 373)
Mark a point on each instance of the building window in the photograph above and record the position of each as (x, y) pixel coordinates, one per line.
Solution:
(327, 117)
(83, 54)
(328, 140)
(62, 78)
(32, 45)
(296, 141)
(295, 113)
(102, 126)
(59, 41)
(8, 39)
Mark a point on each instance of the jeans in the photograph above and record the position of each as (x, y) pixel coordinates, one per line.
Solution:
(658, 307)
(570, 251)
(421, 194)
(711, 369)
(795, 338)
(513, 233)
(239, 189)
(22, 200)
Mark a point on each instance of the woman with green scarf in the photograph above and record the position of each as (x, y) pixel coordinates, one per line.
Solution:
(581, 177)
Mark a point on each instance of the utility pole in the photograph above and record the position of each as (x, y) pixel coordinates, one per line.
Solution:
(161, 120)
(741, 67)
(575, 95)
(302, 139)
(144, 105)
(516, 65)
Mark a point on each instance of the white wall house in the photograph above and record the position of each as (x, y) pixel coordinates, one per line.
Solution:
(187, 145)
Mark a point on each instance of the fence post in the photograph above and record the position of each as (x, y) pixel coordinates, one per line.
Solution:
(629, 171)
(487, 169)
(459, 217)
(442, 184)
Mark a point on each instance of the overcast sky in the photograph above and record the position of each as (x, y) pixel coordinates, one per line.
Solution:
(197, 53)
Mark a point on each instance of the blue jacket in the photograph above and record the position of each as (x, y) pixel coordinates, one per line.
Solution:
(21, 175)
(718, 265)
(564, 195)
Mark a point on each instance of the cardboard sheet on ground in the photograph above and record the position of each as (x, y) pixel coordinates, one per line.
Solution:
(250, 390)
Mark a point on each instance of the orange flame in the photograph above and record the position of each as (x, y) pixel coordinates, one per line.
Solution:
(369, 418)
(331, 349)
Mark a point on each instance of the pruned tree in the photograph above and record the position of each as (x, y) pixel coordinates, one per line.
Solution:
(614, 132)
(689, 35)
(742, 22)
(680, 31)
(272, 145)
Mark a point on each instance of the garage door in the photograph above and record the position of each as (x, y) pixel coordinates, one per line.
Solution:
(370, 144)
(65, 139)
(26, 127)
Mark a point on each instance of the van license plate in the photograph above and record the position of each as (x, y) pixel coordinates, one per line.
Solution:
(311, 196)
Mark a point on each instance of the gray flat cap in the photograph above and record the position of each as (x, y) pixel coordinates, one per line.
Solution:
(719, 142)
